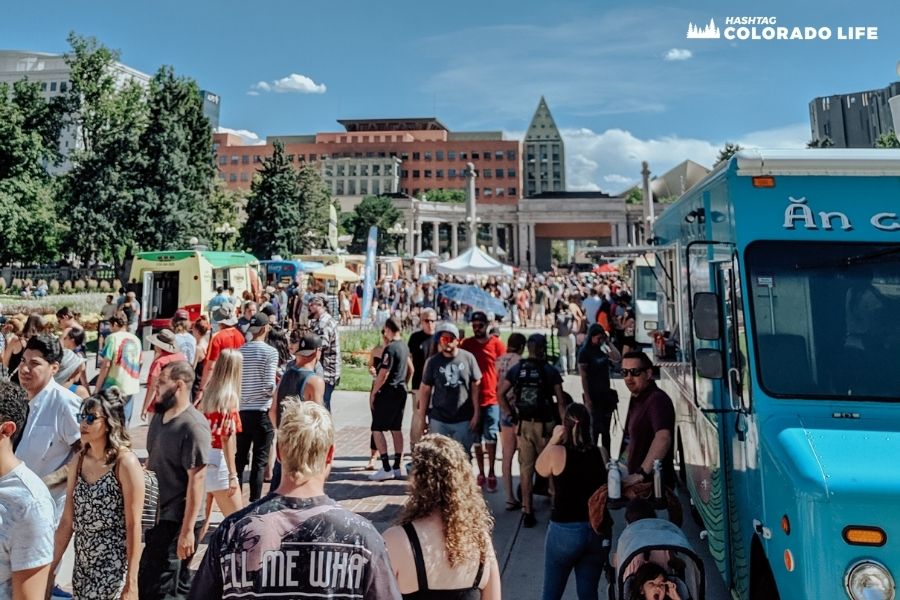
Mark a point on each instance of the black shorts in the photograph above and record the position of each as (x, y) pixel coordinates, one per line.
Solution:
(388, 412)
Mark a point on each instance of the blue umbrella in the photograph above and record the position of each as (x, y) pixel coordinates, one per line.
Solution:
(474, 296)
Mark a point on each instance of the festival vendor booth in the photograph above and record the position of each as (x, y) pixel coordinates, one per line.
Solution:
(474, 262)
(187, 279)
(333, 276)
(287, 272)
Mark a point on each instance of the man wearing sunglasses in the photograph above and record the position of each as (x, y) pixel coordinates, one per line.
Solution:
(450, 390)
(421, 345)
(650, 425)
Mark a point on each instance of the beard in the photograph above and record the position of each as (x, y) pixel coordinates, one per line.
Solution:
(165, 402)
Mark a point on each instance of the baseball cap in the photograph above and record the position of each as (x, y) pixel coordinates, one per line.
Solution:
(308, 344)
(538, 339)
(257, 323)
(479, 316)
(181, 314)
(447, 328)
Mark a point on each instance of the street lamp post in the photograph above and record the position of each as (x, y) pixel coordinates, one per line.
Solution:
(224, 231)
(397, 230)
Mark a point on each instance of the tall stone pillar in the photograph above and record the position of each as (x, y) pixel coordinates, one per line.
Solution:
(454, 240)
(523, 245)
(494, 239)
(410, 235)
(471, 213)
(533, 247)
(436, 237)
(512, 241)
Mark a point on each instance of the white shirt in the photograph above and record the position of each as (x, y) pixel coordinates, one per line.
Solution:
(27, 525)
(50, 431)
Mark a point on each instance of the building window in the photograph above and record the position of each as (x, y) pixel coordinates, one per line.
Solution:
(376, 170)
(510, 172)
(63, 86)
(416, 156)
(439, 173)
(428, 156)
(340, 170)
(351, 187)
(451, 173)
(488, 192)
(343, 139)
(245, 177)
(351, 170)
(43, 86)
(477, 192)
(415, 173)
(232, 177)
(487, 156)
(427, 172)
(486, 173)
(245, 159)
(52, 86)
(364, 170)
(404, 156)
(376, 187)
(290, 157)
(364, 187)
(511, 191)
(451, 155)
(339, 187)
(499, 191)
(498, 173)
(404, 173)
(258, 159)
(439, 155)
(462, 156)
(498, 154)
(223, 176)
(223, 160)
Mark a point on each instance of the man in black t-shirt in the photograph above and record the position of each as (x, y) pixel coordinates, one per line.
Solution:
(421, 346)
(297, 542)
(388, 399)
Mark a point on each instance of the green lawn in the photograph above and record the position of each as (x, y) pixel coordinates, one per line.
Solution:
(355, 379)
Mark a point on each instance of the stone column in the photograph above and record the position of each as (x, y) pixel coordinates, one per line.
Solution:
(436, 237)
(523, 245)
(513, 243)
(454, 240)
(532, 246)
(493, 239)
(410, 235)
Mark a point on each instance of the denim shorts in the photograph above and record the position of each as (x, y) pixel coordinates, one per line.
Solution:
(490, 424)
(457, 431)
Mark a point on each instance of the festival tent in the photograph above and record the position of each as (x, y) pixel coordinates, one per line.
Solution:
(474, 262)
(336, 272)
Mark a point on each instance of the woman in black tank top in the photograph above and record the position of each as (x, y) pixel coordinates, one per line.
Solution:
(441, 548)
(577, 469)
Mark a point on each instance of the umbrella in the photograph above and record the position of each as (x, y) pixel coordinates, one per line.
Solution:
(336, 272)
(607, 268)
(426, 278)
(474, 296)
(426, 256)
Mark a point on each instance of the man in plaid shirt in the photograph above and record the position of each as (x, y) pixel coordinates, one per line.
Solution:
(322, 324)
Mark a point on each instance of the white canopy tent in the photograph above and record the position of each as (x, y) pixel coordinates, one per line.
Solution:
(474, 262)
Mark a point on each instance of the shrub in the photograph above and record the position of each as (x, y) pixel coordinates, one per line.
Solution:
(54, 286)
(80, 284)
(104, 285)
(16, 285)
(92, 285)
(67, 287)
(28, 283)
(2, 284)
(116, 284)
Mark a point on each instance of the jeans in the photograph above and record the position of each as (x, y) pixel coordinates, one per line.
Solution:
(329, 389)
(601, 419)
(162, 574)
(257, 432)
(457, 431)
(573, 546)
(567, 353)
(129, 409)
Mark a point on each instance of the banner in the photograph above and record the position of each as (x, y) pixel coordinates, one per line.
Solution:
(369, 278)
(332, 229)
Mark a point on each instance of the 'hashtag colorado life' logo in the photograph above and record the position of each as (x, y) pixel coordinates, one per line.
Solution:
(767, 28)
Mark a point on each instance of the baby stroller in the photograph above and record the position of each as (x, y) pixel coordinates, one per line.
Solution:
(662, 542)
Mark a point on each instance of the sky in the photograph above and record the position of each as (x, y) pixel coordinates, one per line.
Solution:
(621, 80)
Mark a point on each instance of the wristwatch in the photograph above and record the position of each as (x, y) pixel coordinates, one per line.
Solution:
(647, 476)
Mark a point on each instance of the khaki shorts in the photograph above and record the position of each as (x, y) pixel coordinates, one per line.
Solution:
(531, 438)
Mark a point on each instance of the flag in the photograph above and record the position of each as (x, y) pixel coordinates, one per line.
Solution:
(369, 282)
(332, 229)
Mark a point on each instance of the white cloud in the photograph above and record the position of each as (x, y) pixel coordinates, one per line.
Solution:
(611, 160)
(250, 138)
(293, 83)
(678, 54)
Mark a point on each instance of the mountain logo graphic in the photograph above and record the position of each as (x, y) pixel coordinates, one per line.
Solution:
(710, 32)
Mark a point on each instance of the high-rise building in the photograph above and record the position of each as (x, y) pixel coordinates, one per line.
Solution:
(853, 120)
(544, 156)
(211, 108)
(431, 158)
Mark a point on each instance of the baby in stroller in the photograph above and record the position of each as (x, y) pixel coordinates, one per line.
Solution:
(654, 560)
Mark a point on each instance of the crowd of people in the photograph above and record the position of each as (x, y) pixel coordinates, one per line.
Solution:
(220, 387)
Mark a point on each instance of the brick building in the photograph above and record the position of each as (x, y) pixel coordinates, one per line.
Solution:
(431, 156)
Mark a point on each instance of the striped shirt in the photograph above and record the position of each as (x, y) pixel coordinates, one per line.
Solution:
(258, 375)
(326, 328)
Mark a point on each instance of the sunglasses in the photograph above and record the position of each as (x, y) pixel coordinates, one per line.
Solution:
(446, 339)
(429, 320)
(88, 418)
(632, 372)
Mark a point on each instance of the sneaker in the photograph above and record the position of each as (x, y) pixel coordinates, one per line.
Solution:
(491, 484)
(398, 473)
(481, 481)
(529, 520)
(381, 475)
(60, 593)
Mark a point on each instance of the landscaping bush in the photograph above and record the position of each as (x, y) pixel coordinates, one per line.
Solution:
(116, 284)
(80, 285)
(2, 284)
(92, 285)
(105, 285)
(54, 286)
(67, 287)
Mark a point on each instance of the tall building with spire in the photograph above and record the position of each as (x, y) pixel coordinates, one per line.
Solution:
(544, 156)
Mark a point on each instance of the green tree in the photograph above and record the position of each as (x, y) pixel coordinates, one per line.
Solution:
(442, 195)
(823, 143)
(314, 205)
(727, 152)
(99, 191)
(372, 210)
(887, 140)
(225, 207)
(634, 196)
(177, 168)
(273, 218)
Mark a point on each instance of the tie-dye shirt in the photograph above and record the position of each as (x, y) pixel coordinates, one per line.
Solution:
(123, 351)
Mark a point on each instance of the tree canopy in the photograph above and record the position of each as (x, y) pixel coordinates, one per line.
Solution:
(372, 210)
(727, 151)
(887, 140)
(273, 208)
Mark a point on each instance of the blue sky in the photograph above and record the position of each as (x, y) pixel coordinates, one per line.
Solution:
(605, 68)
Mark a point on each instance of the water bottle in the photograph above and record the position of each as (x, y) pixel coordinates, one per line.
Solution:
(613, 481)
(657, 482)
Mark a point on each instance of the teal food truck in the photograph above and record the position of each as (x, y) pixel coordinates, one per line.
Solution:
(780, 289)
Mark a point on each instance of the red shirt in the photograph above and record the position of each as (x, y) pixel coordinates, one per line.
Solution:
(156, 368)
(222, 426)
(486, 355)
(228, 337)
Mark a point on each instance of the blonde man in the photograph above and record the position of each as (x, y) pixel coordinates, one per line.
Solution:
(297, 541)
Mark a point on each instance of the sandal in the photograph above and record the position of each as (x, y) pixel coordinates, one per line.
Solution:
(512, 505)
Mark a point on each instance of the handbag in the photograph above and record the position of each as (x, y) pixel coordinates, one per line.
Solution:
(150, 512)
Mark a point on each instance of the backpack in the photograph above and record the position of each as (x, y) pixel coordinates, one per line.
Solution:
(531, 403)
(563, 323)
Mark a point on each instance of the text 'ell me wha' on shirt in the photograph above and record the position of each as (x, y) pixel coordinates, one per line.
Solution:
(286, 547)
(451, 380)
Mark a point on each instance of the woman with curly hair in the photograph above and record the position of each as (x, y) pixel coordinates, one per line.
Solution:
(441, 547)
(104, 502)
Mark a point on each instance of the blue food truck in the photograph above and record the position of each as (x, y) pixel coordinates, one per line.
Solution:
(278, 270)
(780, 293)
